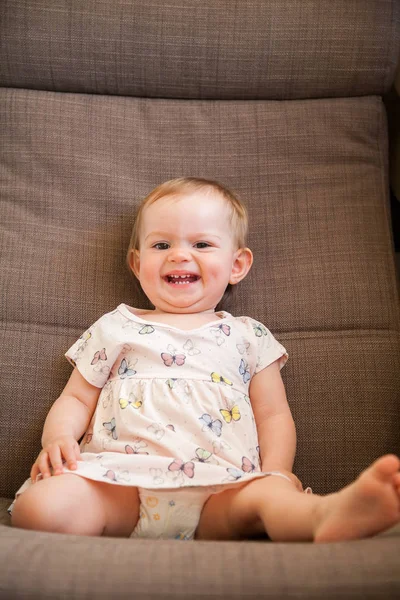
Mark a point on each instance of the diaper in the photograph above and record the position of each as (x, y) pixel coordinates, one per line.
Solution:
(175, 514)
(170, 514)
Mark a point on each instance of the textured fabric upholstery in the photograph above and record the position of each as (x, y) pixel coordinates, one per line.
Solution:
(254, 49)
(279, 100)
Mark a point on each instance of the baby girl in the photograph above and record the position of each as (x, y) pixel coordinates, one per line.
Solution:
(185, 428)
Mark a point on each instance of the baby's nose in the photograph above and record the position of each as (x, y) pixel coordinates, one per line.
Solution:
(179, 254)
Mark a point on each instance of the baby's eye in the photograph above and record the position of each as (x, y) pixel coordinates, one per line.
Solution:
(161, 246)
(202, 245)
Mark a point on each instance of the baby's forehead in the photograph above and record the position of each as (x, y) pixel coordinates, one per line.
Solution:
(189, 212)
(203, 203)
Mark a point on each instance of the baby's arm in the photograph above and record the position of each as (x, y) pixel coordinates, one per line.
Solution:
(275, 425)
(66, 422)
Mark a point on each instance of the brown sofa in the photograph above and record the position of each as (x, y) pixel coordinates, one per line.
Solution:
(278, 99)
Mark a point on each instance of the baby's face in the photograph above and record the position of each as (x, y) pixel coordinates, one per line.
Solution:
(187, 253)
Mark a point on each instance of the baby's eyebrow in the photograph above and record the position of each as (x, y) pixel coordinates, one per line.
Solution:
(158, 234)
(206, 234)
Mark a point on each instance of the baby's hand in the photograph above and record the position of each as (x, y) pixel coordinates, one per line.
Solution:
(59, 450)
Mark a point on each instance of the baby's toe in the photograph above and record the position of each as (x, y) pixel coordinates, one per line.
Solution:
(386, 466)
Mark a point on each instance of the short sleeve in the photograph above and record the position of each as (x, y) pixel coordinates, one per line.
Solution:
(96, 351)
(268, 348)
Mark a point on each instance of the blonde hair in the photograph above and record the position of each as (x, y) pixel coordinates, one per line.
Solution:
(190, 185)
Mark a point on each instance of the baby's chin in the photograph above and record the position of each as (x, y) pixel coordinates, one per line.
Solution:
(183, 308)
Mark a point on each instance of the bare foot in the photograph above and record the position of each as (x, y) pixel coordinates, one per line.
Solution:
(364, 508)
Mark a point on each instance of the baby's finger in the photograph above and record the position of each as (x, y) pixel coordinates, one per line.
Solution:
(77, 452)
(34, 472)
(56, 460)
(70, 457)
(43, 464)
(297, 482)
(299, 485)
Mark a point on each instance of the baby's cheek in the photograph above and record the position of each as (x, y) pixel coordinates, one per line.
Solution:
(215, 275)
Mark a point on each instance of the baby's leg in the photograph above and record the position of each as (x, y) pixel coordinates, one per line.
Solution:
(72, 504)
(366, 507)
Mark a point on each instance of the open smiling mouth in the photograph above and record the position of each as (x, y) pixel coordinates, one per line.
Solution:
(181, 279)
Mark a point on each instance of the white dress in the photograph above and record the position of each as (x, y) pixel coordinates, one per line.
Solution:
(174, 408)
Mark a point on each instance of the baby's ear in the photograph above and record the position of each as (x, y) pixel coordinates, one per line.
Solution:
(134, 262)
(241, 265)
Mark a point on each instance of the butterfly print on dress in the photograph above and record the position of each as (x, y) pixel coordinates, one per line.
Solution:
(99, 355)
(171, 357)
(219, 332)
(214, 425)
(186, 468)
